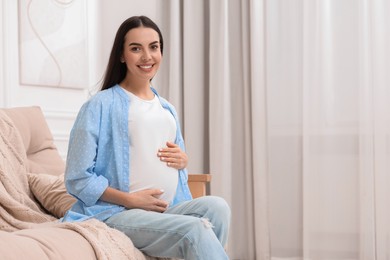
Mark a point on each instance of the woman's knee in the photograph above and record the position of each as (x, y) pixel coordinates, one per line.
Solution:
(218, 205)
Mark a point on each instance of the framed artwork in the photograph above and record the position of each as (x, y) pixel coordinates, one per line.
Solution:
(53, 47)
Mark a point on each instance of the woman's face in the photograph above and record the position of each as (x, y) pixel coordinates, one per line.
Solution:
(141, 53)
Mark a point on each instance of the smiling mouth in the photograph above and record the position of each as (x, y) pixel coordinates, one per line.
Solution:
(145, 66)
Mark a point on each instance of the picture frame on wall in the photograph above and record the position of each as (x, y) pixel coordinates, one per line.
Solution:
(53, 48)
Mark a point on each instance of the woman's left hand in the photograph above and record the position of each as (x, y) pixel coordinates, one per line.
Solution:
(173, 156)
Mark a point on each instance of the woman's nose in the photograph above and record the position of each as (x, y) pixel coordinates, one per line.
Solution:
(146, 56)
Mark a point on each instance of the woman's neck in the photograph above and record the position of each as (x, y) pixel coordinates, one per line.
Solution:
(138, 88)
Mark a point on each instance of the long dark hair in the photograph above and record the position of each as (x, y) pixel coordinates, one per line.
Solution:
(116, 70)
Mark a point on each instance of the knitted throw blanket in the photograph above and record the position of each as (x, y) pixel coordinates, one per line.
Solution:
(18, 209)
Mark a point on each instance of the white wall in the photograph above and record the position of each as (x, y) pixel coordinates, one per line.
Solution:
(61, 104)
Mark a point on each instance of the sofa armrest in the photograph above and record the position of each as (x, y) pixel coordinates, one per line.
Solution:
(197, 183)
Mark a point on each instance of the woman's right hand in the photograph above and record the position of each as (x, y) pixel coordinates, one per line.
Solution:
(147, 200)
(143, 199)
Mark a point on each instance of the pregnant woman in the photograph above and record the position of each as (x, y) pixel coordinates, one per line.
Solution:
(126, 161)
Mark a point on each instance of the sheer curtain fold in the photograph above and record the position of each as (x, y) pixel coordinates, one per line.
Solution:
(220, 101)
(380, 80)
(172, 75)
(259, 126)
(367, 220)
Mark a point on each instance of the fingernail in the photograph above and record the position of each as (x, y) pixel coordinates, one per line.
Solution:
(162, 190)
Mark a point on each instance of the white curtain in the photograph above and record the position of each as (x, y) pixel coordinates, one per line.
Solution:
(345, 129)
(287, 104)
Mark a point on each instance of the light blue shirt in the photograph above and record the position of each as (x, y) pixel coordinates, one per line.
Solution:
(98, 155)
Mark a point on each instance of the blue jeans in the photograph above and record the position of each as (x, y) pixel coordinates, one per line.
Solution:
(196, 229)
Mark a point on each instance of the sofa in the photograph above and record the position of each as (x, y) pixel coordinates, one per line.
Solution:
(33, 198)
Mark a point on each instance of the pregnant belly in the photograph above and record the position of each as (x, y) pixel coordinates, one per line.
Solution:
(153, 175)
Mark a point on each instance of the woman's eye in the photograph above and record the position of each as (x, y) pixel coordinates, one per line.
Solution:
(154, 47)
(135, 49)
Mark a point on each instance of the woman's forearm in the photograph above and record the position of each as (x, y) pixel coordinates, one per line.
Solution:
(115, 196)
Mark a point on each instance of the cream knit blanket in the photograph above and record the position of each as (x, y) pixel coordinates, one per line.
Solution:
(18, 209)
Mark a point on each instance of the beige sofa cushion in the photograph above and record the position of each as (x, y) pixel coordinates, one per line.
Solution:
(51, 193)
(41, 152)
(44, 243)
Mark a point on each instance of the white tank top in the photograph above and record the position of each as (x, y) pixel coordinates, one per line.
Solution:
(150, 127)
